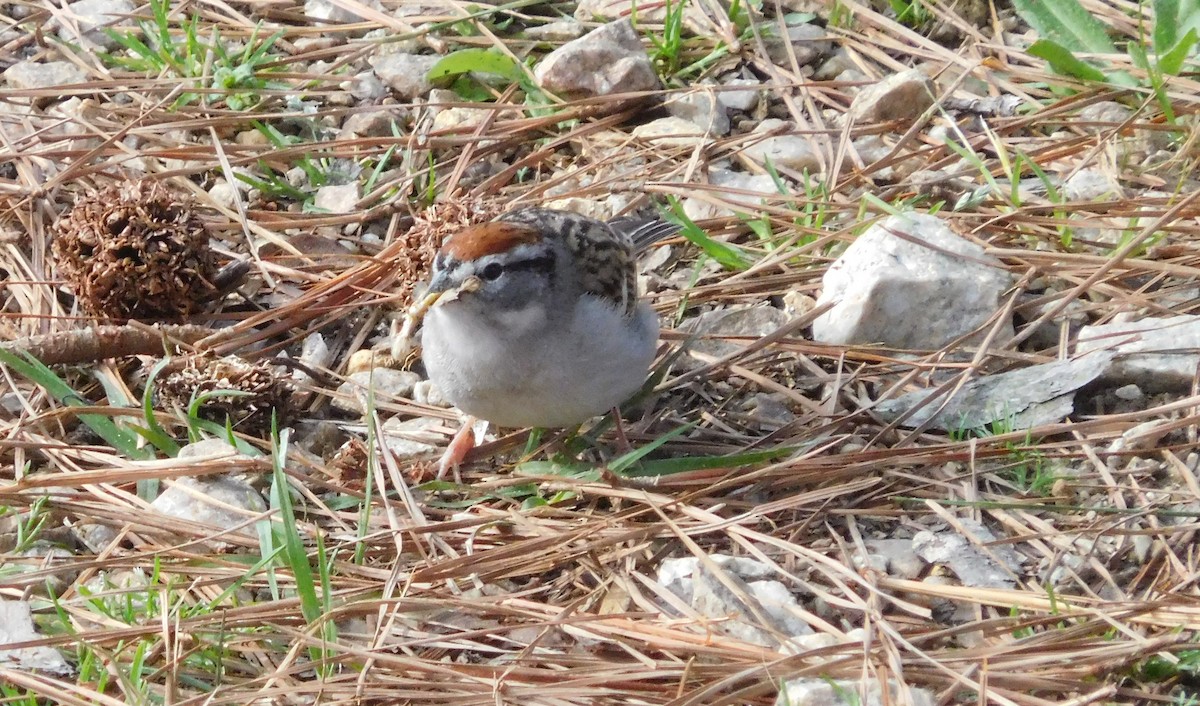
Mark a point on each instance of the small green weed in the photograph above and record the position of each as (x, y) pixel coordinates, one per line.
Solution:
(1028, 469)
(209, 68)
(1067, 29)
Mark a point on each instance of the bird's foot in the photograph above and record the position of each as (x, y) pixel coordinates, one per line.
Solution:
(468, 436)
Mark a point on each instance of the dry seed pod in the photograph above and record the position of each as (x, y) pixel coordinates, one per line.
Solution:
(430, 228)
(262, 389)
(135, 250)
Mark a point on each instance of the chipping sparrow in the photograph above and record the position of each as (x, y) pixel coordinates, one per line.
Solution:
(534, 319)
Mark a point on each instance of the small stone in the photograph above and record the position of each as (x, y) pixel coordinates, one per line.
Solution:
(584, 207)
(252, 138)
(377, 122)
(808, 43)
(899, 557)
(96, 537)
(610, 59)
(827, 692)
(1091, 185)
(406, 74)
(25, 75)
(768, 410)
(797, 304)
(910, 282)
(1109, 114)
(1129, 393)
(413, 438)
(902, 97)
(461, 118)
(787, 151)
(385, 383)
(1156, 354)
(839, 62)
(341, 198)
(224, 502)
(90, 16)
(741, 189)
(702, 109)
(365, 87)
(671, 131)
(16, 626)
(331, 13)
(559, 31)
(223, 193)
(751, 322)
(743, 99)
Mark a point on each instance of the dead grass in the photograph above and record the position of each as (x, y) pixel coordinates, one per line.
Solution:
(476, 597)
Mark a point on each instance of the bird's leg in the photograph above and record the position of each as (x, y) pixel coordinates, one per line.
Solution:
(619, 429)
(459, 447)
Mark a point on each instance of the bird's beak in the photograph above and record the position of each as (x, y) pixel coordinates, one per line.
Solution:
(440, 292)
(437, 294)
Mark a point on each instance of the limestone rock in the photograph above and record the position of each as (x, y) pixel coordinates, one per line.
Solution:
(910, 282)
(607, 60)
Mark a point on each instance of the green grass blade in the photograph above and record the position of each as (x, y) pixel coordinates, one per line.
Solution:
(669, 466)
(294, 554)
(621, 464)
(728, 256)
(32, 369)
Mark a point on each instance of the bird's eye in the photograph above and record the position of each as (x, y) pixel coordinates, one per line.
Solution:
(492, 271)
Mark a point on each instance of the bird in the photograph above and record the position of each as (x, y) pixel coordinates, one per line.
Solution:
(534, 319)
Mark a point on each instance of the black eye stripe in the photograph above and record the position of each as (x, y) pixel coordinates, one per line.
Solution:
(543, 264)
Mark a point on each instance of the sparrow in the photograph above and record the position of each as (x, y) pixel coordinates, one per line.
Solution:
(534, 319)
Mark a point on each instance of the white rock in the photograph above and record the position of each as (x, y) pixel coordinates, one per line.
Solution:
(223, 502)
(460, 117)
(740, 188)
(919, 288)
(734, 97)
(1091, 185)
(751, 322)
(341, 198)
(427, 392)
(780, 605)
(413, 438)
(702, 108)
(223, 193)
(788, 151)
(16, 625)
(385, 383)
(89, 16)
(899, 557)
(903, 96)
(560, 31)
(406, 74)
(582, 206)
(825, 692)
(1156, 354)
(376, 122)
(808, 42)
(973, 566)
(326, 11)
(607, 60)
(672, 131)
(207, 449)
(365, 86)
(25, 75)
